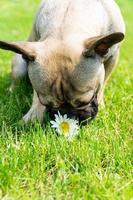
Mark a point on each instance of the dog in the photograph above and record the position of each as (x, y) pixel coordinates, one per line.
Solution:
(71, 51)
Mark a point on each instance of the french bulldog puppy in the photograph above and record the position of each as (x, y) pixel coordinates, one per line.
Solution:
(70, 53)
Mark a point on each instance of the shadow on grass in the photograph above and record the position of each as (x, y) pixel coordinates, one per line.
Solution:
(14, 105)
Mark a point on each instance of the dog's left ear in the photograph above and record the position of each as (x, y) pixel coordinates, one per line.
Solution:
(101, 44)
(26, 49)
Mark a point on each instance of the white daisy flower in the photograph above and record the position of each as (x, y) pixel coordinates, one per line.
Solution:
(65, 126)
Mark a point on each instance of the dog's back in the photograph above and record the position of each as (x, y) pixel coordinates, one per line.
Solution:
(77, 20)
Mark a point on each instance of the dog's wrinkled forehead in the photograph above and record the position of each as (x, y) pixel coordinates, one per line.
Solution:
(64, 75)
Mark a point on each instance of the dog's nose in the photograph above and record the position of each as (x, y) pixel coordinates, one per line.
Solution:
(86, 117)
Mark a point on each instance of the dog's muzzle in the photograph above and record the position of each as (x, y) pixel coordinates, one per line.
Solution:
(83, 116)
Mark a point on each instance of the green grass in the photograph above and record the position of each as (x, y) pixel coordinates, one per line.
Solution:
(34, 162)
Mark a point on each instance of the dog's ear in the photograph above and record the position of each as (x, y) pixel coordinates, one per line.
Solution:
(101, 44)
(27, 49)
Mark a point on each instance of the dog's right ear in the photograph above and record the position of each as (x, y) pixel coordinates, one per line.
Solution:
(26, 49)
(101, 44)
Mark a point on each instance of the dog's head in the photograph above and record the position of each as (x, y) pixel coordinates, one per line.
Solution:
(67, 78)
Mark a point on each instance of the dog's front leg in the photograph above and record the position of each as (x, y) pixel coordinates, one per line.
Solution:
(36, 111)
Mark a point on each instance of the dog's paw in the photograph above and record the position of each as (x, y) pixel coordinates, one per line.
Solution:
(11, 89)
(35, 113)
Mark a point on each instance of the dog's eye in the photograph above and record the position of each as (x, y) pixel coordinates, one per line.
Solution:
(92, 56)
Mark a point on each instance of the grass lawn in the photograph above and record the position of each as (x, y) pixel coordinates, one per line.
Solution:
(35, 164)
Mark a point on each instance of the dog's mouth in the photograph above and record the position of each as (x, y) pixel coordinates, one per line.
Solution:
(84, 115)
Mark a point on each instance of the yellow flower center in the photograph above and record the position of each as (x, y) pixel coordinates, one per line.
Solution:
(64, 126)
